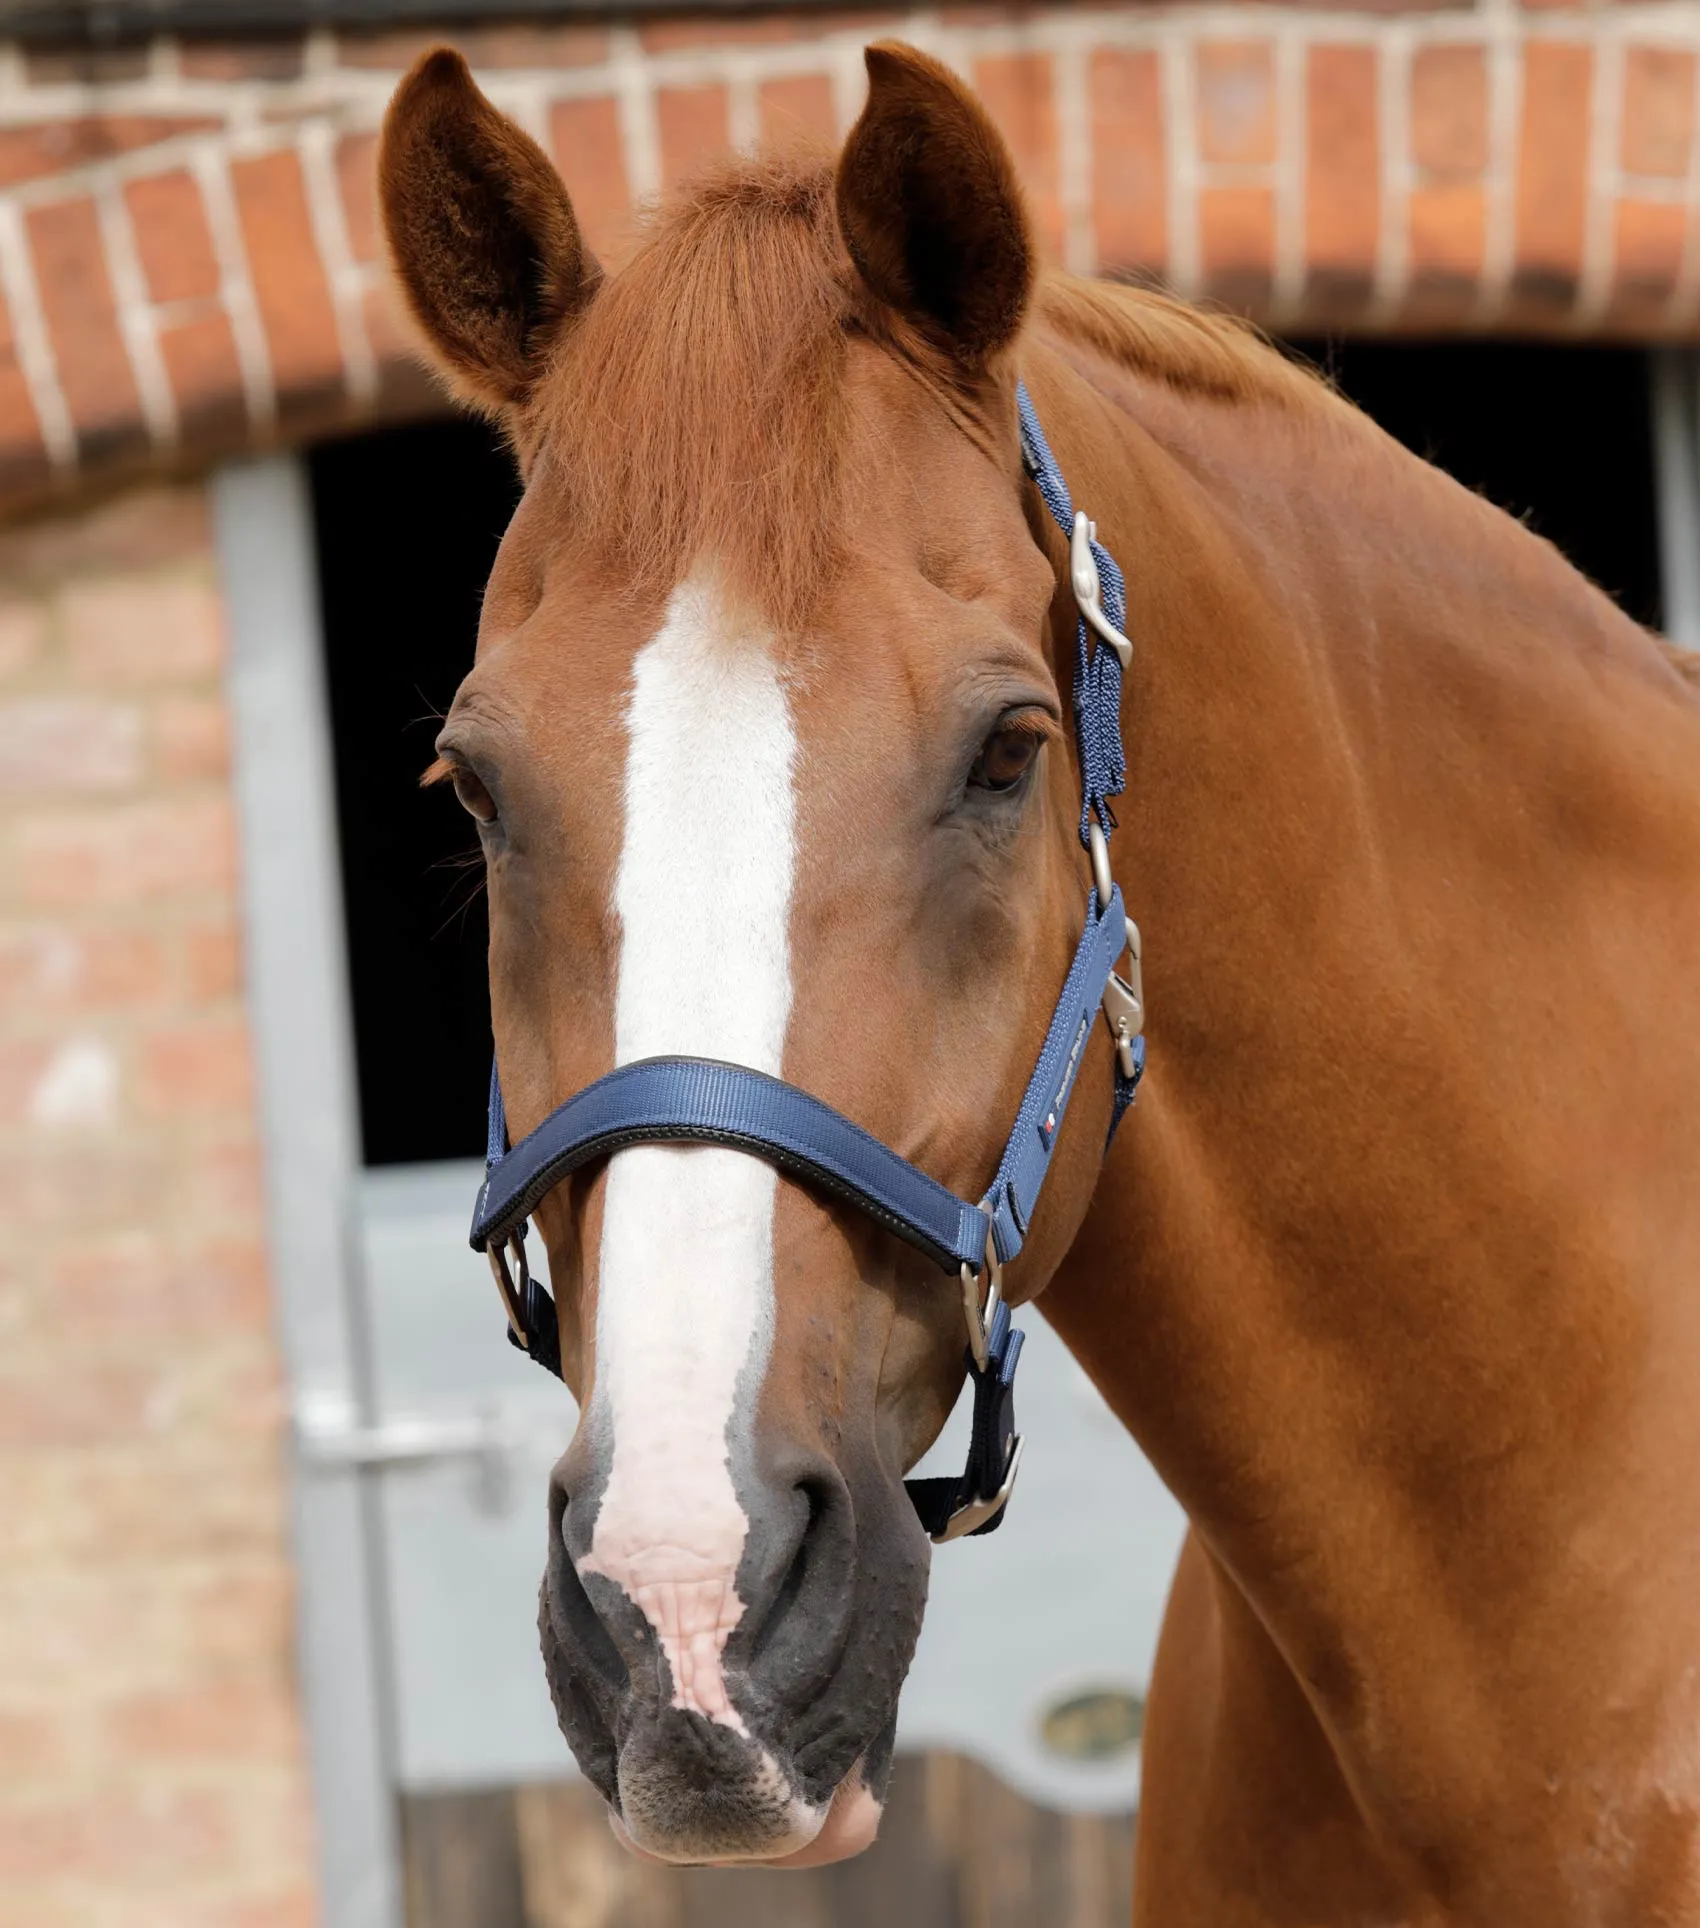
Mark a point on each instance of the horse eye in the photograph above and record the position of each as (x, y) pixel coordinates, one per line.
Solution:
(474, 798)
(1005, 758)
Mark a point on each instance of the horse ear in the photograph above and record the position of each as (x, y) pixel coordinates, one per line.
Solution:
(482, 233)
(931, 210)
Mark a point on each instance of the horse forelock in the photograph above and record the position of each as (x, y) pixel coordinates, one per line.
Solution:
(699, 409)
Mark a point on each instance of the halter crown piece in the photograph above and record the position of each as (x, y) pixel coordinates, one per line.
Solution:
(700, 1100)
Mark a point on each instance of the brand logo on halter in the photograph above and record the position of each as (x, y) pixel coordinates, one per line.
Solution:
(1048, 1127)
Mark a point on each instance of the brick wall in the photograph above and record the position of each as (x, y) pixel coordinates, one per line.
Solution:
(151, 1770)
(188, 260)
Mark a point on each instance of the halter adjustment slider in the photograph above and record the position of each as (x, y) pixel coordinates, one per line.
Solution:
(982, 1319)
(1124, 1006)
(1088, 591)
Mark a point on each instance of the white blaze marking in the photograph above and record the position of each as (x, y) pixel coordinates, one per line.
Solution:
(685, 1298)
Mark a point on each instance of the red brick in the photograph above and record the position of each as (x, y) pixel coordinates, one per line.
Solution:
(1658, 111)
(356, 171)
(32, 1746)
(22, 1063)
(222, 1186)
(1236, 227)
(1020, 91)
(289, 279)
(123, 1836)
(132, 632)
(532, 44)
(132, 1284)
(172, 237)
(102, 968)
(520, 44)
(227, 1720)
(1236, 101)
(1648, 247)
(89, 66)
(96, 1183)
(82, 316)
(1449, 111)
(1343, 162)
(390, 50)
(191, 737)
(984, 13)
(1129, 172)
(23, 455)
(758, 30)
(693, 128)
(57, 146)
(296, 1907)
(23, 631)
(198, 1068)
(1552, 170)
(205, 373)
(212, 955)
(130, 853)
(67, 745)
(405, 384)
(585, 136)
(797, 107)
(96, 1405)
(242, 59)
(133, 529)
(389, 328)
(1447, 228)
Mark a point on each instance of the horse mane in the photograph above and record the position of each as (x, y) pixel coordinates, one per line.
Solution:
(1197, 351)
(698, 407)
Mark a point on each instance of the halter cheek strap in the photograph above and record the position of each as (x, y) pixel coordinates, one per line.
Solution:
(702, 1101)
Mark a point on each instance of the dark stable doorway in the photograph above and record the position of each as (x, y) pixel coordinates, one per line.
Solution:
(408, 521)
(1559, 435)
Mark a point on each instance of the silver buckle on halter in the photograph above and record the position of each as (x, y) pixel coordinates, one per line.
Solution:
(970, 1518)
(1124, 997)
(980, 1317)
(512, 1294)
(1083, 576)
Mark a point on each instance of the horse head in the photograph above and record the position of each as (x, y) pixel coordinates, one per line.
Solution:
(765, 746)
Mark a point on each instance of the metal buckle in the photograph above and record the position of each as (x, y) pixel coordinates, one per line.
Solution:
(970, 1518)
(1088, 591)
(980, 1319)
(513, 1296)
(1124, 997)
(1124, 1003)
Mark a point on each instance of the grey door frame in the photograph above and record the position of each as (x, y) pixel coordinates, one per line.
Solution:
(300, 1013)
(1676, 456)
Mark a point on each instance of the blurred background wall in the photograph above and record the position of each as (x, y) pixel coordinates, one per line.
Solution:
(190, 277)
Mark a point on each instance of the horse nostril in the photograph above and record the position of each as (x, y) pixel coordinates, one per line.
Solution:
(574, 1613)
(810, 1596)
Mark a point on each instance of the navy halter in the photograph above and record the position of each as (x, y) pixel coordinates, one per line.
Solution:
(702, 1101)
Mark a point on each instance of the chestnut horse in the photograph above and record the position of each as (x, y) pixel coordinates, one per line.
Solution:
(1394, 1271)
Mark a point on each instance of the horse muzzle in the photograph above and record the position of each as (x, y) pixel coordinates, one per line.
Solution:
(742, 1716)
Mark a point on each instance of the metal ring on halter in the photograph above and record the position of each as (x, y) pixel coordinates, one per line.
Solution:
(512, 1296)
(980, 1317)
(1102, 881)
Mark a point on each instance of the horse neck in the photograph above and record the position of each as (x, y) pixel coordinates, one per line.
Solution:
(1382, 1271)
